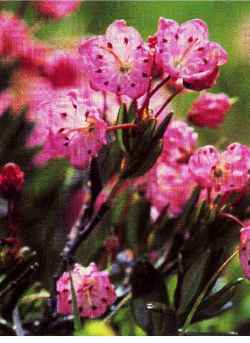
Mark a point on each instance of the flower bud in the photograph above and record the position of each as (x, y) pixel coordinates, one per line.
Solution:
(245, 250)
(11, 180)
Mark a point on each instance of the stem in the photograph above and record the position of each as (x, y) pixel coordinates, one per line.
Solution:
(232, 218)
(123, 302)
(169, 99)
(121, 127)
(157, 87)
(205, 290)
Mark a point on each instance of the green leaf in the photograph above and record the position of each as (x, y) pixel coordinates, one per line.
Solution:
(192, 281)
(95, 328)
(121, 120)
(163, 126)
(77, 319)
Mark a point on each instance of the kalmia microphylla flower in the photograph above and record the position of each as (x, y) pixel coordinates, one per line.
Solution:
(62, 68)
(245, 250)
(179, 142)
(185, 52)
(94, 291)
(57, 9)
(169, 187)
(14, 35)
(11, 180)
(67, 126)
(223, 172)
(209, 110)
(118, 62)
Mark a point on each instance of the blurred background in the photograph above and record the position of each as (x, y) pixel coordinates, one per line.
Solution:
(229, 24)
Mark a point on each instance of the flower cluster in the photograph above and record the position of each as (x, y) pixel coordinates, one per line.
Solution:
(94, 292)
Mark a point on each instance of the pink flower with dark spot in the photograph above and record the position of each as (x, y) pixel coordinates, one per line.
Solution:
(223, 172)
(202, 165)
(169, 187)
(179, 142)
(66, 126)
(245, 251)
(185, 52)
(57, 9)
(94, 291)
(209, 110)
(118, 62)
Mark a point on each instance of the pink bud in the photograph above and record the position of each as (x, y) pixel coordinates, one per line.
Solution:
(209, 110)
(57, 9)
(11, 180)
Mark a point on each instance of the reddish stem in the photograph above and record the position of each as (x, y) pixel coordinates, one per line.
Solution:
(169, 99)
(160, 84)
(121, 127)
(233, 218)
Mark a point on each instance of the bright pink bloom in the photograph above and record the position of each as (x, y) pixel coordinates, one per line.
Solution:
(118, 62)
(57, 9)
(14, 35)
(11, 180)
(94, 291)
(169, 187)
(202, 165)
(62, 68)
(184, 52)
(226, 171)
(245, 251)
(179, 142)
(209, 110)
(66, 126)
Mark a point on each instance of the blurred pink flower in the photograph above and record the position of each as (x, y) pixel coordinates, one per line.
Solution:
(185, 52)
(209, 110)
(118, 62)
(56, 9)
(94, 291)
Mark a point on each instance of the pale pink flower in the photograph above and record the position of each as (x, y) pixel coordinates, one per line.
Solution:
(223, 172)
(118, 62)
(185, 52)
(94, 291)
(66, 126)
(169, 187)
(209, 110)
(179, 142)
(245, 251)
(56, 9)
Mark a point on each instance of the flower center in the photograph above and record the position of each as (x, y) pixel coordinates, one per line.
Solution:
(125, 67)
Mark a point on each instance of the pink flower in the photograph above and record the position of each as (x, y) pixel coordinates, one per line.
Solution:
(66, 126)
(223, 172)
(202, 164)
(62, 68)
(94, 291)
(245, 251)
(119, 61)
(169, 187)
(179, 142)
(57, 9)
(184, 51)
(14, 35)
(209, 110)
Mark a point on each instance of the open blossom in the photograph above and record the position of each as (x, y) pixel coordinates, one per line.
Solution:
(56, 9)
(169, 187)
(209, 110)
(66, 126)
(226, 171)
(185, 52)
(94, 291)
(179, 142)
(245, 250)
(14, 35)
(119, 61)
